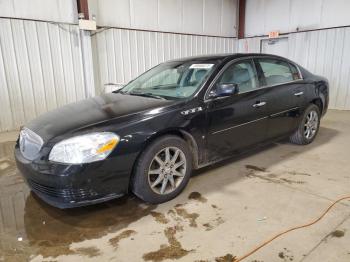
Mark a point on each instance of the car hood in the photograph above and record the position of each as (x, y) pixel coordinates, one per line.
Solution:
(93, 111)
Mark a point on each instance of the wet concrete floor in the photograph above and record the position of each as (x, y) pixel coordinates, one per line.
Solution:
(225, 211)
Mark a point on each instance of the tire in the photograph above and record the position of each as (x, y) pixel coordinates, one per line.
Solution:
(150, 175)
(300, 136)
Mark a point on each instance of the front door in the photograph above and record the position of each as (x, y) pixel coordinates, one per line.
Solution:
(238, 121)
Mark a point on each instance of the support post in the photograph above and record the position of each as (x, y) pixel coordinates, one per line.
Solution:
(83, 8)
(241, 18)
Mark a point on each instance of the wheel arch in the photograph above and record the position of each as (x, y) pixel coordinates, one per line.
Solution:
(320, 103)
(183, 134)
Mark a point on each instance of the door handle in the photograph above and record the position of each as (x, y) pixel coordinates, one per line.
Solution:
(299, 93)
(259, 104)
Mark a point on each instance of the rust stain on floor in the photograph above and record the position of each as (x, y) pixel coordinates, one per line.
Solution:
(290, 181)
(173, 250)
(271, 177)
(286, 255)
(159, 217)
(88, 251)
(208, 226)
(191, 217)
(256, 168)
(125, 234)
(226, 258)
(337, 233)
(295, 173)
(197, 196)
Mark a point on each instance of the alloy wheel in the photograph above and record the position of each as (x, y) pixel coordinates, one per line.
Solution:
(167, 170)
(311, 124)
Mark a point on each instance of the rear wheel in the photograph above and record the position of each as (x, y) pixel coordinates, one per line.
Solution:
(308, 126)
(163, 170)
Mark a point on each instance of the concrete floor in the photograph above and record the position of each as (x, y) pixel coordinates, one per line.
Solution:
(224, 212)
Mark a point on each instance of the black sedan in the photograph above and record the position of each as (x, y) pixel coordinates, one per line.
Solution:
(178, 116)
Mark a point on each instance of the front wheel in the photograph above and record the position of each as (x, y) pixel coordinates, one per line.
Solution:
(308, 126)
(163, 170)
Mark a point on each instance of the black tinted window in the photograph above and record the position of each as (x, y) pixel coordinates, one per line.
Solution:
(276, 71)
(242, 74)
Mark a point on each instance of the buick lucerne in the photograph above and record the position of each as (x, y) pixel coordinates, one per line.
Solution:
(147, 137)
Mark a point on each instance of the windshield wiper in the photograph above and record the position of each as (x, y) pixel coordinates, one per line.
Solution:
(146, 95)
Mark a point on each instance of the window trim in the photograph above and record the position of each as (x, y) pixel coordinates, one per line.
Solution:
(254, 59)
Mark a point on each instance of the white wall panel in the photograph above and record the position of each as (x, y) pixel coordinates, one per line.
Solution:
(170, 15)
(276, 15)
(212, 12)
(229, 18)
(205, 17)
(305, 15)
(249, 45)
(327, 53)
(40, 68)
(124, 54)
(286, 16)
(144, 14)
(63, 11)
(254, 20)
(193, 17)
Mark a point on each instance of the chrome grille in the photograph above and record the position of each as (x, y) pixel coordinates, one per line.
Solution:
(29, 143)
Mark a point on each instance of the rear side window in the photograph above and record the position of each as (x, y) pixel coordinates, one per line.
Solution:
(276, 71)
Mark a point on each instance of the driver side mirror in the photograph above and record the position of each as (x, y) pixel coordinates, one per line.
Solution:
(224, 89)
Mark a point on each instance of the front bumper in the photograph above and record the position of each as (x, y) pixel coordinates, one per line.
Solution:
(67, 186)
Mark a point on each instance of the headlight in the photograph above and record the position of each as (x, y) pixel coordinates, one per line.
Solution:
(84, 149)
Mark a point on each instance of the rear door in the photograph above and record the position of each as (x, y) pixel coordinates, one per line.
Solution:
(284, 92)
(238, 121)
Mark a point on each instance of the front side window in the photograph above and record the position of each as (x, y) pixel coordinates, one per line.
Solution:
(243, 74)
(276, 71)
(171, 80)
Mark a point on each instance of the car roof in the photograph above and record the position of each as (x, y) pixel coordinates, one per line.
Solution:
(220, 57)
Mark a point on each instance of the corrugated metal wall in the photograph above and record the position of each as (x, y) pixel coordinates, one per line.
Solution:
(40, 69)
(200, 17)
(288, 16)
(327, 53)
(323, 52)
(121, 54)
(62, 11)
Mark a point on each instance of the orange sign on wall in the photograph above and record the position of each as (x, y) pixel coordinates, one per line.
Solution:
(274, 34)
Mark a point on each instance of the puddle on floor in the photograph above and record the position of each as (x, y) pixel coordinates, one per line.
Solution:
(29, 227)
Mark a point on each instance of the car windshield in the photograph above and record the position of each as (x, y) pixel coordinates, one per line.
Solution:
(171, 80)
